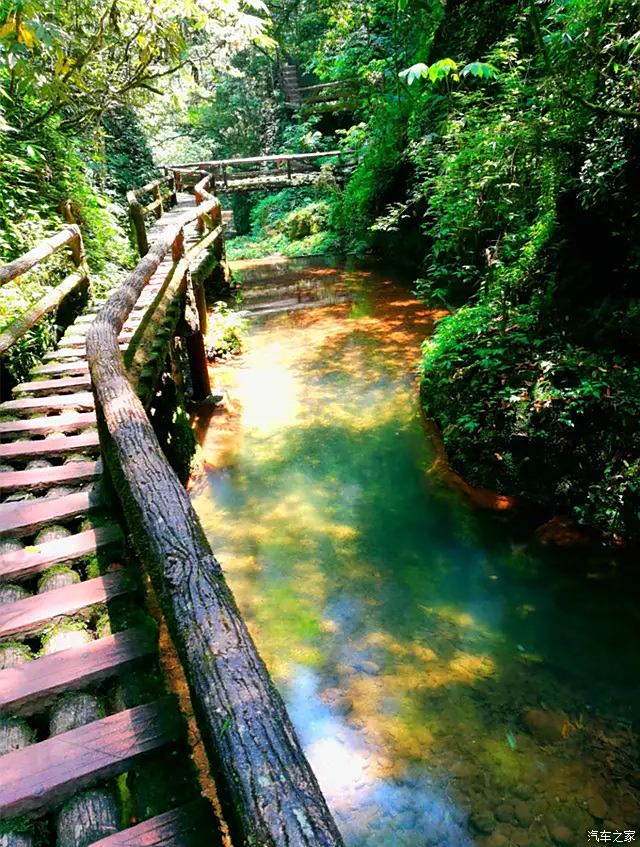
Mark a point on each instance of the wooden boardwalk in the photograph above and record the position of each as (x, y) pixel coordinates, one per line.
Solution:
(71, 613)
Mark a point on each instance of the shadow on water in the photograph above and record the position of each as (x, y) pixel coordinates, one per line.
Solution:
(453, 681)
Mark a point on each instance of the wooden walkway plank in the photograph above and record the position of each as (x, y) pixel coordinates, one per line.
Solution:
(73, 473)
(61, 368)
(31, 687)
(22, 564)
(79, 340)
(31, 615)
(83, 400)
(43, 775)
(59, 386)
(66, 422)
(188, 826)
(68, 353)
(43, 447)
(27, 516)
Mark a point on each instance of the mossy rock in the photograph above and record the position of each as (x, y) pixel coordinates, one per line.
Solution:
(63, 636)
(10, 545)
(60, 576)
(52, 533)
(12, 593)
(37, 464)
(13, 653)
(15, 733)
(74, 710)
(88, 817)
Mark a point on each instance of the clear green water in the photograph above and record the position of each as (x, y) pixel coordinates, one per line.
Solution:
(410, 632)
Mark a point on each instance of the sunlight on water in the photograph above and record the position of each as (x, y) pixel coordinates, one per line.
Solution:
(453, 681)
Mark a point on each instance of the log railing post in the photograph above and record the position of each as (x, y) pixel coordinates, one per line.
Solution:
(177, 247)
(199, 198)
(137, 221)
(177, 181)
(289, 169)
(157, 193)
(77, 247)
(173, 197)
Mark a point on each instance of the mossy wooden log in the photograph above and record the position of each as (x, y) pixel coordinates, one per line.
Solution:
(93, 814)
(44, 249)
(15, 733)
(88, 817)
(21, 325)
(64, 636)
(271, 795)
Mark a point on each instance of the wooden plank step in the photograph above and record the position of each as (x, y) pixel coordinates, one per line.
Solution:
(43, 775)
(72, 472)
(29, 616)
(27, 516)
(68, 353)
(19, 450)
(58, 355)
(188, 826)
(31, 687)
(24, 563)
(55, 386)
(78, 340)
(67, 422)
(83, 400)
(61, 368)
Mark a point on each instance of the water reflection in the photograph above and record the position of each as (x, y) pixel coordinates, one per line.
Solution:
(453, 682)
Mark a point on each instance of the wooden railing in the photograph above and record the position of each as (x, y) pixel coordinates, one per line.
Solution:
(230, 174)
(269, 793)
(139, 210)
(70, 237)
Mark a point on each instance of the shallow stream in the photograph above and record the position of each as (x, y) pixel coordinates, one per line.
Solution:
(454, 681)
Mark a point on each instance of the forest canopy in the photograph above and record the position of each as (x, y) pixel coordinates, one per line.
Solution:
(493, 147)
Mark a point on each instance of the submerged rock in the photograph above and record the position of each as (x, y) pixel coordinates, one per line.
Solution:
(561, 835)
(546, 726)
(597, 807)
(483, 822)
(523, 813)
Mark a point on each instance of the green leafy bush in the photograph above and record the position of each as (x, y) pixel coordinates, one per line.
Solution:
(525, 410)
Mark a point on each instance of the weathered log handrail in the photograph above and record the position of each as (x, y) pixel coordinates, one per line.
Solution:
(138, 210)
(71, 237)
(253, 160)
(269, 792)
(237, 174)
(18, 267)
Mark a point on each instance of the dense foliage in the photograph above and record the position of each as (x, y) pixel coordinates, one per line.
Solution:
(494, 149)
(72, 76)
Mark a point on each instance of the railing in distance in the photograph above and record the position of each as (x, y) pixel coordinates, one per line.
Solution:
(70, 236)
(269, 792)
(139, 210)
(227, 172)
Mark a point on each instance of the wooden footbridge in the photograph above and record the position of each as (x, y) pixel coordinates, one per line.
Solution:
(260, 173)
(101, 550)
